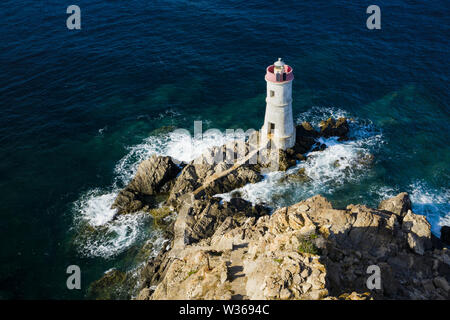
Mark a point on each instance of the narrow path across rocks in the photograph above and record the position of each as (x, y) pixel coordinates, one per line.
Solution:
(237, 276)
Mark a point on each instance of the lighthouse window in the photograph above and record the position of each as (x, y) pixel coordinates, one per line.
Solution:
(272, 93)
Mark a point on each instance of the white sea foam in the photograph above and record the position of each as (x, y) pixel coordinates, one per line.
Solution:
(101, 236)
(97, 234)
(113, 237)
(95, 207)
(178, 145)
(316, 114)
(432, 203)
(338, 163)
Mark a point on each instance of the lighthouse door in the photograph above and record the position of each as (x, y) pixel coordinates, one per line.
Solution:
(270, 132)
(270, 129)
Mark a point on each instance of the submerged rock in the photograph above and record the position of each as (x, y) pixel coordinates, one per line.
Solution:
(114, 285)
(299, 176)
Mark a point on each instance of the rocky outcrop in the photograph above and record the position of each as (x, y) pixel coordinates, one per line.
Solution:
(203, 217)
(445, 234)
(399, 205)
(417, 231)
(286, 159)
(334, 128)
(216, 172)
(154, 176)
(306, 251)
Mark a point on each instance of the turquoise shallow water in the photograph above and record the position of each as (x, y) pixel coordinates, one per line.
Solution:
(80, 109)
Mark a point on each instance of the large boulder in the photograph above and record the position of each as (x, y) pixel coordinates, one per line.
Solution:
(399, 205)
(418, 232)
(154, 176)
(333, 128)
(305, 137)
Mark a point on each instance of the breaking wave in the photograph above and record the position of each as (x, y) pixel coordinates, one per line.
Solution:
(100, 236)
(177, 144)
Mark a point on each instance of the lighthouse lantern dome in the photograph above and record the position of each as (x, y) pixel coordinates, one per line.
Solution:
(279, 66)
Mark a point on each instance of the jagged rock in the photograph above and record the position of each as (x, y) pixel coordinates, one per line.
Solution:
(199, 275)
(445, 234)
(215, 173)
(400, 204)
(151, 178)
(441, 282)
(205, 216)
(306, 251)
(305, 137)
(299, 176)
(286, 159)
(418, 232)
(355, 296)
(389, 283)
(152, 174)
(195, 176)
(428, 285)
(333, 128)
(144, 294)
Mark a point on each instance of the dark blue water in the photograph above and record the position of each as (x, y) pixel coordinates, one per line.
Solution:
(78, 109)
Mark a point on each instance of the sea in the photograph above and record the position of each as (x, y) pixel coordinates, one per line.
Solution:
(79, 109)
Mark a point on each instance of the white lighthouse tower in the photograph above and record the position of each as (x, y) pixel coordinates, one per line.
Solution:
(278, 128)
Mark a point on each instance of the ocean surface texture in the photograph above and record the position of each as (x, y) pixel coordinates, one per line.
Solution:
(80, 109)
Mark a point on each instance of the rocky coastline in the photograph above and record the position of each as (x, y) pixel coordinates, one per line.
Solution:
(233, 249)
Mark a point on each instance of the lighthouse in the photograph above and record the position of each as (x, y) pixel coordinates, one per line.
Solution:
(278, 130)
